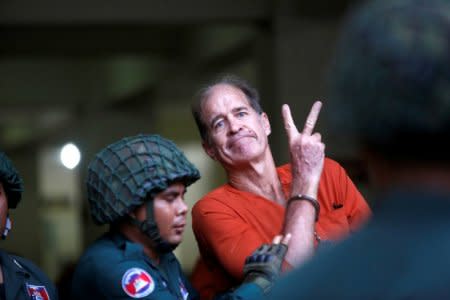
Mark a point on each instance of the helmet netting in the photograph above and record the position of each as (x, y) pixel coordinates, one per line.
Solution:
(126, 173)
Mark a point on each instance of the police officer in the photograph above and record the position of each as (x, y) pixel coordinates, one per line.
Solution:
(137, 185)
(20, 279)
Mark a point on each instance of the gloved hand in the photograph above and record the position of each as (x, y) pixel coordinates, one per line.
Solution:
(264, 265)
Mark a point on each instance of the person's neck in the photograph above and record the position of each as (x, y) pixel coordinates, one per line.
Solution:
(258, 177)
(133, 233)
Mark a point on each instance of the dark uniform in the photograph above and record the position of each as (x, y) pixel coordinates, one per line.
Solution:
(114, 259)
(22, 280)
(128, 174)
(403, 253)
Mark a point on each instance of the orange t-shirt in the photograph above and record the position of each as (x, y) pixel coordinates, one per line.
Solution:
(230, 224)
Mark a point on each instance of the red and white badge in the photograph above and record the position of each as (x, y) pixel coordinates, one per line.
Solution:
(137, 283)
(37, 292)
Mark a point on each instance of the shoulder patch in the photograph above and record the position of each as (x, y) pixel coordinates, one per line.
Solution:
(37, 292)
(137, 283)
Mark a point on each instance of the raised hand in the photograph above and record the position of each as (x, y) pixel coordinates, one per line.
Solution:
(306, 151)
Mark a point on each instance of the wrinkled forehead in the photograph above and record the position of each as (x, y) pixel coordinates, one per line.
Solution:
(218, 96)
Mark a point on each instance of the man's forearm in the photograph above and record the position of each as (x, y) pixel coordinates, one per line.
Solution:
(299, 221)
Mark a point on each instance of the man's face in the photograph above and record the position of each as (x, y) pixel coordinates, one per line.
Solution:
(169, 212)
(237, 133)
(3, 208)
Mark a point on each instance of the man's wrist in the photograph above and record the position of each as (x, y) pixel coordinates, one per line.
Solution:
(312, 200)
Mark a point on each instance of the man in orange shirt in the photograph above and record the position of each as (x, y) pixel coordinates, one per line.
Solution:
(312, 197)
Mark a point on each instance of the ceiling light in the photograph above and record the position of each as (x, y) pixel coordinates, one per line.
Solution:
(70, 156)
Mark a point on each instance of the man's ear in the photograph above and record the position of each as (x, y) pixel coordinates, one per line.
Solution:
(266, 123)
(209, 150)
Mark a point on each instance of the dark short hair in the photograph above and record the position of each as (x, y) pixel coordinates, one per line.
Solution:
(203, 94)
(390, 82)
(11, 180)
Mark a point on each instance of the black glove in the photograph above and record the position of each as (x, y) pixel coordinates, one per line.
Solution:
(264, 265)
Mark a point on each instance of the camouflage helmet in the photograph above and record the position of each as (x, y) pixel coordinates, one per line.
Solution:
(126, 173)
(11, 180)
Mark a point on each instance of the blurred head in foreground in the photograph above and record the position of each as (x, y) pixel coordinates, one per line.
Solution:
(390, 85)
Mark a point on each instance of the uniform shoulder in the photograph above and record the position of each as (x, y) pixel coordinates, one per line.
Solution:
(115, 281)
(36, 278)
(102, 253)
(29, 266)
(107, 270)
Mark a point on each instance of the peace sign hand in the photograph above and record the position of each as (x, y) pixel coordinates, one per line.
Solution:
(306, 151)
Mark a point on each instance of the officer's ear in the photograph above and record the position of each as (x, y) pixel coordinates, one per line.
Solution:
(140, 212)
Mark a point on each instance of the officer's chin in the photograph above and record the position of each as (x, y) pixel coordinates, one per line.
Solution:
(175, 242)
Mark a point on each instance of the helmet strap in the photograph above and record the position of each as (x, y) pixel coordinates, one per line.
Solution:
(150, 229)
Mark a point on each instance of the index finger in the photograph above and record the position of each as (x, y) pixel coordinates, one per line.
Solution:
(312, 118)
(289, 125)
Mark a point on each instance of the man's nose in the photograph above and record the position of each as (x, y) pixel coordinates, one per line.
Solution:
(235, 125)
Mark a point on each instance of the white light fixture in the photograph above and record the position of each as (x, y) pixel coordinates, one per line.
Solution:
(70, 156)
